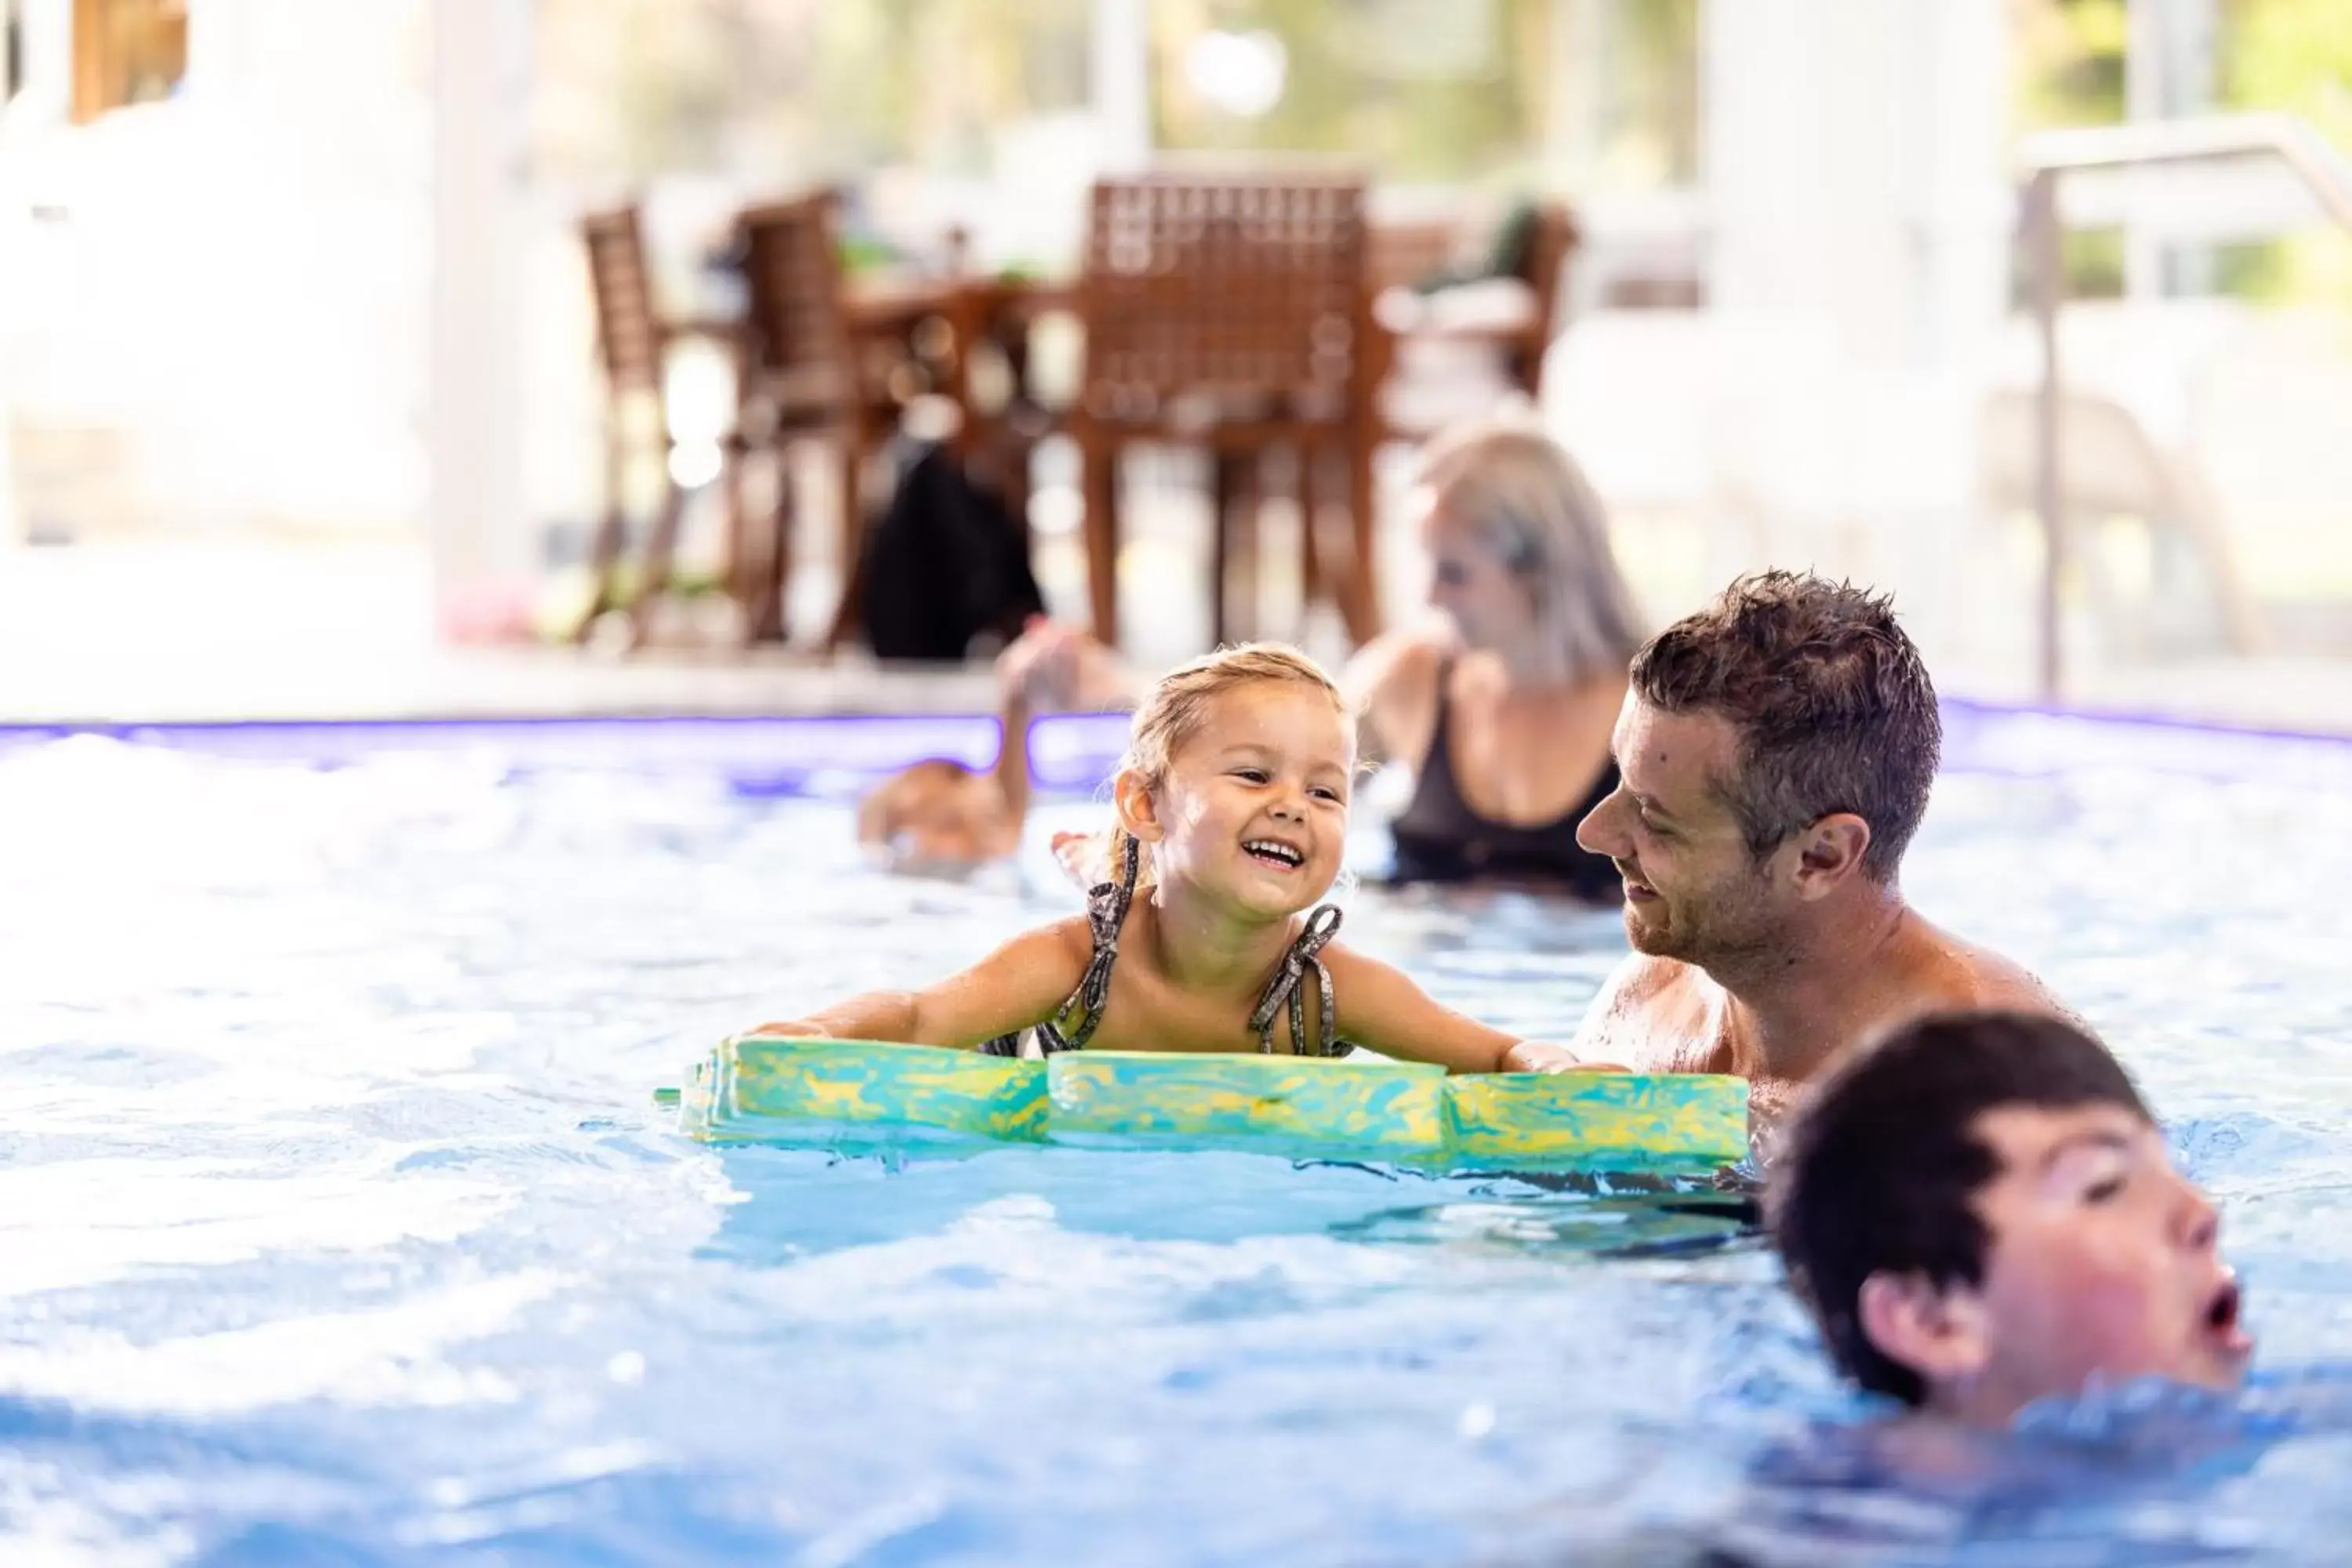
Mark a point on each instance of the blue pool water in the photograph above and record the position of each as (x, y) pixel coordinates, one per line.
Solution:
(337, 1225)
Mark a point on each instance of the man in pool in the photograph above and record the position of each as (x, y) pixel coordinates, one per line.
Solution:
(1775, 752)
(1978, 1213)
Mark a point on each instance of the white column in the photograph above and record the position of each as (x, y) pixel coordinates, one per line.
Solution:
(1120, 65)
(481, 82)
(1854, 164)
(2168, 66)
(1963, 195)
(1852, 158)
(46, 37)
(1769, 179)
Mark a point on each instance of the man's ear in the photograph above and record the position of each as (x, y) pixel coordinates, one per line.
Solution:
(1939, 1332)
(1829, 852)
(1131, 795)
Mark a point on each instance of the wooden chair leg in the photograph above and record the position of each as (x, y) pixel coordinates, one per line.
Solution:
(604, 550)
(768, 570)
(1360, 600)
(1236, 504)
(1099, 460)
(853, 520)
(661, 549)
(735, 577)
(787, 516)
(1016, 488)
(1220, 549)
(1310, 501)
(848, 610)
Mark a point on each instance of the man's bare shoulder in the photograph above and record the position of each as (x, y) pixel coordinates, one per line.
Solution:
(1642, 977)
(1654, 1014)
(1966, 976)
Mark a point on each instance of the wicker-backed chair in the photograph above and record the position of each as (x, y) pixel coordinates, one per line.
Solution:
(804, 376)
(1227, 313)
(1551, 242)
(1405, 253)
(632, 340)
(812, 364)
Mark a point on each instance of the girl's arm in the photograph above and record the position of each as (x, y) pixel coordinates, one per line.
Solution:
(1381, 1009)
(1013, 759)
(877, 813)
(1023, 982)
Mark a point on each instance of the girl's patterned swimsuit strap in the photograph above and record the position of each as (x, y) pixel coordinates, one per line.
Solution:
(1106, 907)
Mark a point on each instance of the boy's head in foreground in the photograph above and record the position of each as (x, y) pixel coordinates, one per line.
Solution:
(1979, 1213)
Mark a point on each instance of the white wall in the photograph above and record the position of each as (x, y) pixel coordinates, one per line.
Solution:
(1822, 411)
(217, 320)
(481, 93)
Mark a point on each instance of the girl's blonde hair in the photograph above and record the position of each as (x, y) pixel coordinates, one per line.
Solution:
(1521, 493)
(1178, 705)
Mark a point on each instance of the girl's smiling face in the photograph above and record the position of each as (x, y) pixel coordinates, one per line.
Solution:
(1254, 808)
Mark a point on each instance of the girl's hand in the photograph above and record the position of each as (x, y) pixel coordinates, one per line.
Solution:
(1039, 667)
(1534, 1056)
(1060, 668)
(1083, 856)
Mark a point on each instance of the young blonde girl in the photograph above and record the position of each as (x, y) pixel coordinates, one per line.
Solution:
(1236, 789)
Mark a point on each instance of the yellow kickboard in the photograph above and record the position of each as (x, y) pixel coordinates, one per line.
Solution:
(852, 1093)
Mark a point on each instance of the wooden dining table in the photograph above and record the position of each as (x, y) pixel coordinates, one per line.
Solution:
(942, 321)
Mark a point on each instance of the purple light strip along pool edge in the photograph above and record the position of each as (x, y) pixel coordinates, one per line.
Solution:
(1075, 751)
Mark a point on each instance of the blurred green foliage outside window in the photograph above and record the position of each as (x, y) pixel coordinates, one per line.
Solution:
(2291, 55)
(1574, 94)
(2294, 56)
(791, 91)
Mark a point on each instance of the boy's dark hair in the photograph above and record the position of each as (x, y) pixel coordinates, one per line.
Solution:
(1881, 1165)
(1830, 700)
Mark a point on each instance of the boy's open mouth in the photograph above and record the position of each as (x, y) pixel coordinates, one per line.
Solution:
(2221, 1320)
(1273, 852)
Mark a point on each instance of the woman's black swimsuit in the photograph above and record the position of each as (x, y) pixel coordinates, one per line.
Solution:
(1440, 840)
(1075, 1022)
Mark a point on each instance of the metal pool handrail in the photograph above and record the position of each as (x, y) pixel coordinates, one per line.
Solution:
(2044, 157)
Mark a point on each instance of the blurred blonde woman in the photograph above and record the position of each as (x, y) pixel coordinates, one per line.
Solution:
(1504, 706)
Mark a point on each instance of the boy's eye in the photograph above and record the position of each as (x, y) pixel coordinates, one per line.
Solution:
(2104, 1188)
(1325, 792)
(1254, 775)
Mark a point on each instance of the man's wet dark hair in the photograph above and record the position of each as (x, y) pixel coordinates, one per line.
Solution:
(1882, 1163)
(1830, 700)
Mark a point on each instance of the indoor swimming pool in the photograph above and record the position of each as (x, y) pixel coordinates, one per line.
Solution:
(338, 1224)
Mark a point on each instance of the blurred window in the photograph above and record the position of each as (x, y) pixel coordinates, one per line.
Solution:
(789, 91)
(2294, 56)
(126, 52)
(1582, 94)
(2071, 62)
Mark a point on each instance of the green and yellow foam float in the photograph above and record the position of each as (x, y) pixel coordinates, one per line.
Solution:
(868, 1096)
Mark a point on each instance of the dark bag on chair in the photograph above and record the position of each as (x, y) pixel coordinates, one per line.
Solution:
(946, 566)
